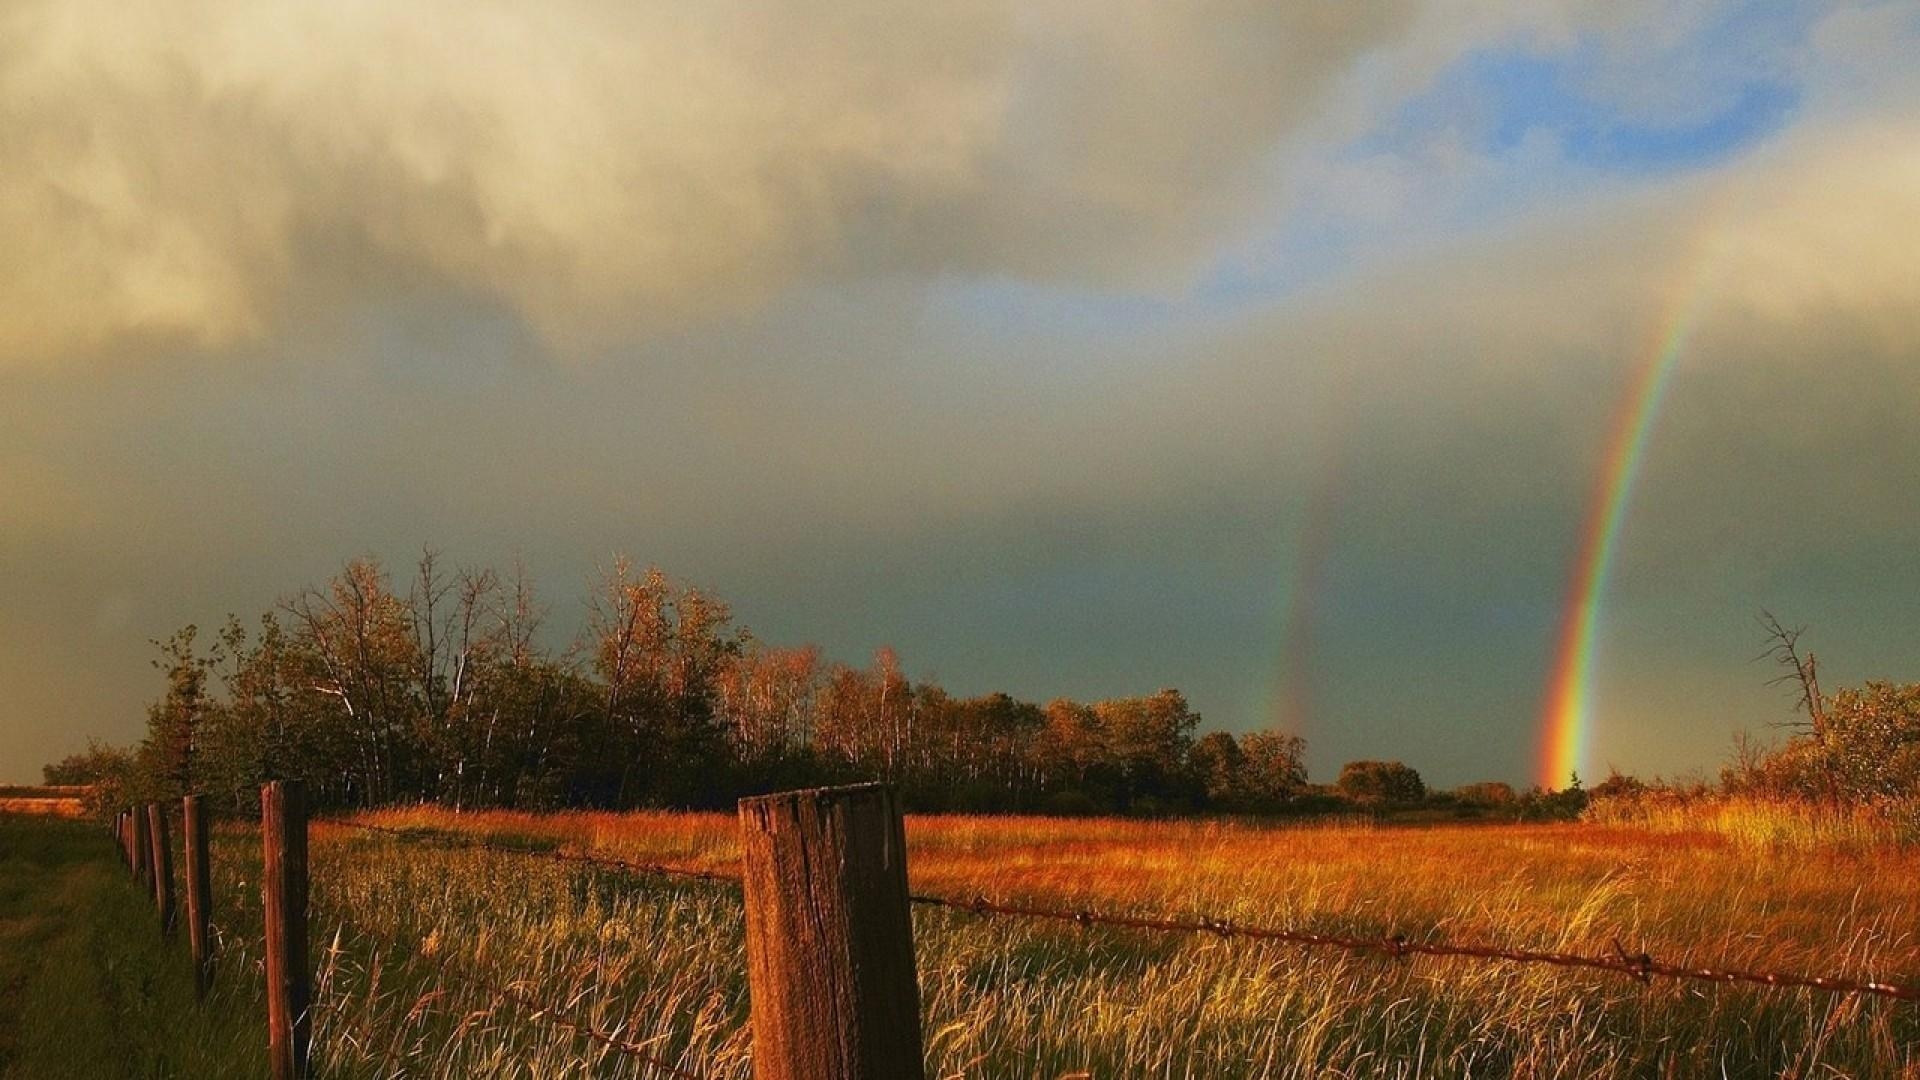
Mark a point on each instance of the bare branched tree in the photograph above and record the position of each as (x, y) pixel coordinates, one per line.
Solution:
(1803, 671)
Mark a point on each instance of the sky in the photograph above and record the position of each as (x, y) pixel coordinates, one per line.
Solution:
(1280, 353)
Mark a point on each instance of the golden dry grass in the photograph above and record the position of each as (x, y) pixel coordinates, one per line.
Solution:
(663, 964)
(61, 801)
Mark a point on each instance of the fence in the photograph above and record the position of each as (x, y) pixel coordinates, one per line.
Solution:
(833, 989)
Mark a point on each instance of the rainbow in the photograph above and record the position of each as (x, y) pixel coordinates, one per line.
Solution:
(1568, 724)
(1291, 691)
(1306, 592)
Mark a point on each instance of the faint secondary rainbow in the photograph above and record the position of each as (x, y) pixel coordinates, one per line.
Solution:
(1291, 703)
(1568, 729)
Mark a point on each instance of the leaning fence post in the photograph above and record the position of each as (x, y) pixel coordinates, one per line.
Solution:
(162, 866)
(834, 994)
(283, 837)
(193, 826)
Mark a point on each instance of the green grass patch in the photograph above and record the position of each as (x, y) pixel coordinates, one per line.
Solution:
(88, 989)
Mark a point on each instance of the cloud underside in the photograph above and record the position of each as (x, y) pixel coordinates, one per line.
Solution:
(188, 170)
(202, 173)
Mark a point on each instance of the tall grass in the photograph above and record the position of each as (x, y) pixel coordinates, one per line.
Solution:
(1757, 824)
(404, 929)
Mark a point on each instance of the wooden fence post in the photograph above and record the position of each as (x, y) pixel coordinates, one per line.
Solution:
(283, 887)
(193, 822)
(834, 994)
(136, 834)
(162, 866)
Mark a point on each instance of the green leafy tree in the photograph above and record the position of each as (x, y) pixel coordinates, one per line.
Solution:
(1276, 767)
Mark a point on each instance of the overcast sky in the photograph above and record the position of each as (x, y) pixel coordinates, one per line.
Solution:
(1268, 351)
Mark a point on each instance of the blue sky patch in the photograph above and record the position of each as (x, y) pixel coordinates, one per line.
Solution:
(1520, 95)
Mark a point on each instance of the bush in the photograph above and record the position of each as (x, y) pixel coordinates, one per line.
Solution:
(1868, 752)
(1374, 782)
(1486, 793)
(1618, 785)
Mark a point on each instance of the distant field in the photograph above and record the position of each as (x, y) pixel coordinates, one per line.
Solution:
(58, 801)
(414, 942)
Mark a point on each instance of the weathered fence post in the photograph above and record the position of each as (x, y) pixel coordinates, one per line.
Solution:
(136, 840)
(162, 866)
(193, 824)
(834, 994)
(283, 888)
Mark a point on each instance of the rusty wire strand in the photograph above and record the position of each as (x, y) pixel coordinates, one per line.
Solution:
(1641, 966)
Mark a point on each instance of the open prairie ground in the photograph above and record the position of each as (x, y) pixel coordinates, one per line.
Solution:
(433, 957)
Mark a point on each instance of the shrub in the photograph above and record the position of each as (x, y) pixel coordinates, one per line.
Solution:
(1488, 793)
(1375, 782)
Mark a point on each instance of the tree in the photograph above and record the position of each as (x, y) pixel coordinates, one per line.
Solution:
(1276, 767)
(1219, 765)
(108, 770)
(1373, 783)
(1490, 793)
(174, 722)
(1804, 672)
(443, 691)
(660, 652)
(356, 638)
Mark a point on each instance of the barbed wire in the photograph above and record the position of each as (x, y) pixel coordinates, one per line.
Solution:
(551, 854)
(1641, 965)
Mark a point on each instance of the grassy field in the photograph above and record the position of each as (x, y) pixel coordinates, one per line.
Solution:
(431, 958)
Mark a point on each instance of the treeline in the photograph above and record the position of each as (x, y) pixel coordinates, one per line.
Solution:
(442, 690)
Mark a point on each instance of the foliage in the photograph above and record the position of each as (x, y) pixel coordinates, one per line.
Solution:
(442, 690)
(107, 770)
(1866, 752)
(1377, 782)
(1487, 794)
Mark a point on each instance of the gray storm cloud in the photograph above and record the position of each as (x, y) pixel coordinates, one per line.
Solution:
(207, 183)
(186, 171)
